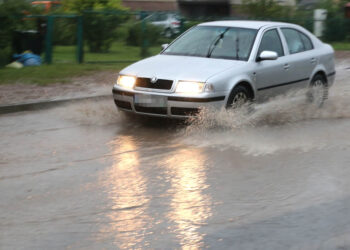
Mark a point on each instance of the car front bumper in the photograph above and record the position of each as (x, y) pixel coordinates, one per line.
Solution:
(176, 106)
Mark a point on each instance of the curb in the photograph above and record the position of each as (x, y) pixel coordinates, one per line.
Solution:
(13, 108)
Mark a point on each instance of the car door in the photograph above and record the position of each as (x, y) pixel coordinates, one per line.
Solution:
(301, 58)
(270, 75)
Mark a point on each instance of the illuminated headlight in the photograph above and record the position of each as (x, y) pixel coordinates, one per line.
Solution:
(126, 81)
(190, 87)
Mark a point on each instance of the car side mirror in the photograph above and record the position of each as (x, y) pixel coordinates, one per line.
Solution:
(267, 55)
(164, 46)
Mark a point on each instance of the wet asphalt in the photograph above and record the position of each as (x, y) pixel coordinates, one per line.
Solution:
(85, 176)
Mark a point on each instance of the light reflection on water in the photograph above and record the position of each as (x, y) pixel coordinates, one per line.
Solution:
(185, 206)
(126, 189)
(190, 206)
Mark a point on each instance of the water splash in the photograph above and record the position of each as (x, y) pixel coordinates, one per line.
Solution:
(287, 122)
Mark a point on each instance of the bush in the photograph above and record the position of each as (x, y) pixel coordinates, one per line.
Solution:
(101, 18)
(65, 31)
(100, 30)
(337, 26)
(5, 56)
(11, 19)
(331, 33)
(136, 36)
(269, 9)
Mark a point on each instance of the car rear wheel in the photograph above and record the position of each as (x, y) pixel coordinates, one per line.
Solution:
(318, 91)
(238, 97)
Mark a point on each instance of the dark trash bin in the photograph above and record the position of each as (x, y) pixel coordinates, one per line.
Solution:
(27, 40)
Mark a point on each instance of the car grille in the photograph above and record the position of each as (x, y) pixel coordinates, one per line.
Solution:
(151, 110)
(184, 111)
(142, 82)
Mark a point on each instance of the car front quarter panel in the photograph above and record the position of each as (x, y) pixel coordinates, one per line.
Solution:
(227, 80)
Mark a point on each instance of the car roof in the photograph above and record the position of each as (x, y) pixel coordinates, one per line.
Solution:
(243, 24)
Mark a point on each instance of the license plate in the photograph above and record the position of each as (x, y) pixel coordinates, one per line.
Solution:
(150, 100)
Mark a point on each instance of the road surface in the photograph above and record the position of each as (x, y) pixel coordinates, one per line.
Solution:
(83, 176)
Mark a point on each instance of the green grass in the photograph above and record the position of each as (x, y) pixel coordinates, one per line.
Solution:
(64, 67)
(341, 45)
(55, 73)
(118, 52)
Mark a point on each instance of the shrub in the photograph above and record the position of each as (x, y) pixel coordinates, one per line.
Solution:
(11, 19)
(100, 30)
(332, 34)
(5, 56)
(101, 18)
(65, 31)
(136, 36)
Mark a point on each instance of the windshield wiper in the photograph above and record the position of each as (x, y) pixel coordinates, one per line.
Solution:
(215, 42)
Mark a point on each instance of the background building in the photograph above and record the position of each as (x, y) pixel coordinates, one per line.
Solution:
(193, 7)
(152, 5)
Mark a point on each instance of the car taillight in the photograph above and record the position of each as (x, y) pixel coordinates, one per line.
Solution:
(175, 23)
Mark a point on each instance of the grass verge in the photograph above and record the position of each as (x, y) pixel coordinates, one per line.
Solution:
(64, 67)
(341, 45)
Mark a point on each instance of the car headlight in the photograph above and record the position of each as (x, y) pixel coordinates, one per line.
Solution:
(126, 81)
(189, 87)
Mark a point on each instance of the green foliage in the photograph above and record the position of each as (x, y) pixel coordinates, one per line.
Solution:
(100, 30)
(337, 26)
(79, 6)
(12, 15)
(5, 56)
(100, 21)
(137, 34)
(265, 9)
(65, 31)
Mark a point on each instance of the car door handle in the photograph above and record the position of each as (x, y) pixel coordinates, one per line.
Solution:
(286, 66)
(313, 60)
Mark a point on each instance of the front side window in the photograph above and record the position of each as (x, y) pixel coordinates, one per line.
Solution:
(297, 41)
(271, 42)
(215, 42)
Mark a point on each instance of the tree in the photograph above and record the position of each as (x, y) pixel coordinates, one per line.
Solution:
(12, 14)
(265, 9)
(337, 26)
(100, 20)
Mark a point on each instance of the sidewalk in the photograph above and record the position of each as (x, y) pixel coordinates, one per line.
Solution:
(99, 84)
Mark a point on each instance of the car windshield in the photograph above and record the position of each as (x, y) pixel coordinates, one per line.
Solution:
(215, 42)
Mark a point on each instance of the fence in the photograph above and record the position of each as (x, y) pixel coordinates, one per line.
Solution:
(124, 37)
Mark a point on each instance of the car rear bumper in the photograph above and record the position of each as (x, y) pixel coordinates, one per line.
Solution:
(176, 106)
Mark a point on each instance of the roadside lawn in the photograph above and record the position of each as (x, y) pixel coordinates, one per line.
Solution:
(64, 67)
(341, 45)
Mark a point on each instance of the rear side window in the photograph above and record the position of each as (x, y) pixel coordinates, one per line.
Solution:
(297, 41)
(271, 41)
(306, 41)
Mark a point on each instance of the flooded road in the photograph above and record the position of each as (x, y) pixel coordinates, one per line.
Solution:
(84, 176)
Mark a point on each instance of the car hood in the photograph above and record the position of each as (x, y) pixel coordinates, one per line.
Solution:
(180, 67)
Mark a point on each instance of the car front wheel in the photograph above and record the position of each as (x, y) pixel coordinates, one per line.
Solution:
(238, 97)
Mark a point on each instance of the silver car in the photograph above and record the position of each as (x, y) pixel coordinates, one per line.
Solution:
(169, 22)
(225, 64)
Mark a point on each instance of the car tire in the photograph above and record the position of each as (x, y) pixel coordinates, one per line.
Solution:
(238, 97)
(318, 91)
